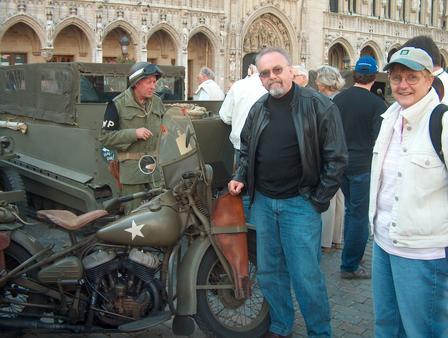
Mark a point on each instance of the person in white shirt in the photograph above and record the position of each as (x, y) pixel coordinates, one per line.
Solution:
(239, 99)
(208, 89)
(408, 207)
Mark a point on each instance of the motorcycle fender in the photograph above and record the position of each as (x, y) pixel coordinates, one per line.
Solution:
(28, 242)
(187, 275)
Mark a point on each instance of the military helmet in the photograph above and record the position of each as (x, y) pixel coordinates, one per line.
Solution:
(141, 70)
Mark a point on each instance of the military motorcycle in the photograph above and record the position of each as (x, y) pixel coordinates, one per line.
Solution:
(183, 255)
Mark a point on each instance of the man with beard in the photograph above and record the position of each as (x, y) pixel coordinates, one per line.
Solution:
(292, 157)
(131, 126)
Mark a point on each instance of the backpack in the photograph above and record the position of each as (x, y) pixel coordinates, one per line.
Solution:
(435, 129)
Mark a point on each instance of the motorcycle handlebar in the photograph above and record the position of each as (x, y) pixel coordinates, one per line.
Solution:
(116, 201)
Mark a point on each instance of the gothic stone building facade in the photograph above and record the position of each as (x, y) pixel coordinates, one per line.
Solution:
(222, 34)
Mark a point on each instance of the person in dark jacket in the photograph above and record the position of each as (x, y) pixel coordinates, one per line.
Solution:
(361, 117)
(292, 157)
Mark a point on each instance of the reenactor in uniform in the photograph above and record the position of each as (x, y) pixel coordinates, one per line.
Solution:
(131, 126)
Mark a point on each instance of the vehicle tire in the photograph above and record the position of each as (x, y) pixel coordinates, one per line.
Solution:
(219, 314)
(11, 180)
(15, 255)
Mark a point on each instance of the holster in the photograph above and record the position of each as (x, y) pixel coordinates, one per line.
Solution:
(114, 168)
(4, 243)
(230, 232)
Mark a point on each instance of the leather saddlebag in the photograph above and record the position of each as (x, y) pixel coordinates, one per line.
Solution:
(230, 232)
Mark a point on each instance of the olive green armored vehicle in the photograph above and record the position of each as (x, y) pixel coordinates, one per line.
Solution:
(54, 112)
(11, 184)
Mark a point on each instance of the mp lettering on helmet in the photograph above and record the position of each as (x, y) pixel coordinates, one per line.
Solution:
(108, 124)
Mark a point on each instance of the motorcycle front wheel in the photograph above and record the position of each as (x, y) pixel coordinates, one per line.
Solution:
(16, 300)
(219, 313)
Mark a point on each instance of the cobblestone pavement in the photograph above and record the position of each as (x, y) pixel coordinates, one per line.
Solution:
(350, 301)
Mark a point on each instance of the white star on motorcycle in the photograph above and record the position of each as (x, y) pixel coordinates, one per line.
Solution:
(135, 230)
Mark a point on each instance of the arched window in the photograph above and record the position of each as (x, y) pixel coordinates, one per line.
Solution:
(431, 15)
(402, 16)
(334, 6)
(419, 11)
(352, 6)
(373, 7)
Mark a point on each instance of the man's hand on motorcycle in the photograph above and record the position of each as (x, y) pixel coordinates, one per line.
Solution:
(143, 133)
(235, 187)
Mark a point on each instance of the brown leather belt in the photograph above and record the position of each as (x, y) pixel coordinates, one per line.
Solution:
(123, 156)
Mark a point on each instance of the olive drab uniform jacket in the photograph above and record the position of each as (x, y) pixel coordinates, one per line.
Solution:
(122, 117)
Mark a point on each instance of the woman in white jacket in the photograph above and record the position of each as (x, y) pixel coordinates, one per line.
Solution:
(409, 207)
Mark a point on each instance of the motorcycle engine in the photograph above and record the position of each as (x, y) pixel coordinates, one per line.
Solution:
(123, 286)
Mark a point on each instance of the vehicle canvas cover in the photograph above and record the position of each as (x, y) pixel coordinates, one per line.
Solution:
(50, 91)
(44, 91)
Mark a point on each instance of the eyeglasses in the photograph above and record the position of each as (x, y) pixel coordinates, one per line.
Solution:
(277, 70)
(411, 79)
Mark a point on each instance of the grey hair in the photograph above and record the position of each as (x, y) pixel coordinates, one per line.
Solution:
(251, 70)
(269, 50)
(300, 70)
(330, 77)
(207, 72)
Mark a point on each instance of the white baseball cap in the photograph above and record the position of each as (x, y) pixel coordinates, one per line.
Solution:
(414, 58)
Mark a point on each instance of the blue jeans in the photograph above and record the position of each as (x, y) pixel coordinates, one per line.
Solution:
(356, 220)
(288, 250)
(410, 296)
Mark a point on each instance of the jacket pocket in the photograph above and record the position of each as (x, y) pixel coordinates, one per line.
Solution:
(427, 174)
(426, 161)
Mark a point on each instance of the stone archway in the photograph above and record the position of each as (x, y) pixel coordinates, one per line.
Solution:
(266, 31)
(71, 44)
(367, 50)
(200, 53)
(112, 52)
(161, 49)
(391, 52)
(338, 57)
(20, 44)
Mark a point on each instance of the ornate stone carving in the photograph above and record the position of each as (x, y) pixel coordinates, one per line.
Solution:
(73, 11)
(266, 31)
(49, 29)
(47, 53)
(99, 30)
(21, 6)
(185, 39)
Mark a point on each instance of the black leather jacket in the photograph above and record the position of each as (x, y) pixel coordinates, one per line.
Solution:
(320, 135)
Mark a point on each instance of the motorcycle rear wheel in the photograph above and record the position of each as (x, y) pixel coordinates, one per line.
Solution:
(219, 314)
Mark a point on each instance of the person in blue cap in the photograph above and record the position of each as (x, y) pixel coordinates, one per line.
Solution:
(360, 112)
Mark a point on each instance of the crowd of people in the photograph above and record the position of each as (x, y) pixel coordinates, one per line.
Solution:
(390, 176)
(344, 160)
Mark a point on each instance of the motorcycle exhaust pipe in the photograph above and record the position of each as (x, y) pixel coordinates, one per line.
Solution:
(38, 325)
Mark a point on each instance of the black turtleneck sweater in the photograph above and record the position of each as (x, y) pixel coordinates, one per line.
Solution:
(277, 163)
